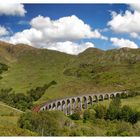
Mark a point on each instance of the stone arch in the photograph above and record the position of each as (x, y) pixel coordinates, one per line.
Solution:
(90, 100)
(79, 103)
(64, 106)
(73, 104)
(106, 97)
(59, 105)
(84, 102)
(112, 96)
(100, 97)
(49, 106)
(95, 98)
(68, 106)
(54, 106)
(43, 108)
(46, 107)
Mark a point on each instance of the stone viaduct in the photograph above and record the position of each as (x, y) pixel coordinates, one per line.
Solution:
(69, 104)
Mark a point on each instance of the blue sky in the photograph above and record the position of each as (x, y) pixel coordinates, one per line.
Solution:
(109, 20)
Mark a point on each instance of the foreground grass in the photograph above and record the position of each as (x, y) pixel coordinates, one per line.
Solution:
(8, 115)
(8, 122)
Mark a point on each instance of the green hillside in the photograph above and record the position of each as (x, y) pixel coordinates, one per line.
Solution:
(26, 71)
(91, 71)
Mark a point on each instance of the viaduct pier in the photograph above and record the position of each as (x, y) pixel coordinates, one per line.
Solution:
(69, 104)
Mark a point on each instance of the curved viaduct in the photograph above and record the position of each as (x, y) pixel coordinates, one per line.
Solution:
(69, 104)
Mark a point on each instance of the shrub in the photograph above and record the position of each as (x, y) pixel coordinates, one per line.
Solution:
(100, 111)
(47, 123)
(75, 116)
(114, 109)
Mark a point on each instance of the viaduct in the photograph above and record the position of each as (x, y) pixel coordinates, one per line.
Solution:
(69, 104)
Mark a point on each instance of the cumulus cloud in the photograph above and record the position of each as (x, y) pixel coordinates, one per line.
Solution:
(65, 28)
(70, 47)
(28, 36)
(13, 9)
(127, 22)
(120, 43)
(135, 6)
(60, 34)
(3, 31)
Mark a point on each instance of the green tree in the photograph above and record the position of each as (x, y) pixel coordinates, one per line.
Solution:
(114, 109)
(75, 116)
(125, 113)
(47, 123)
(100, 111)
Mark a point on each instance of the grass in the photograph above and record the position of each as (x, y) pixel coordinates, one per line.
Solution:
(133, 102)
(8, 116)
(8, 122)
(99, 71)
(6, 110)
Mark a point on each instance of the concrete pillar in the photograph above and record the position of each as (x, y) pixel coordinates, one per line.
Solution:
(73, 105)
(69, 111)
(64, 109)
(54, 106)
(90, 100)
(80, 105)
(85, 102)
(59, 106)
(50, 106)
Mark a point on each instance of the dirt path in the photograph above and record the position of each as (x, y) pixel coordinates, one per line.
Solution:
(3, 104)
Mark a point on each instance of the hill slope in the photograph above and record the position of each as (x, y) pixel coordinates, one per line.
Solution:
(91, 71)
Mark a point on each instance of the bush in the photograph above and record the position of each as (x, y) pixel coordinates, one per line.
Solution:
(114, 109)
(89, 114)
(100, 111)
(75, 116)
(125, 113)
(22, 101)
(46, 123)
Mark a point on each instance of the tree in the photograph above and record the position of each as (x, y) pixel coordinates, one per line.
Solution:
(100, 111)
(125, 113)
(75, 116)
(46, 123)
(114, 109)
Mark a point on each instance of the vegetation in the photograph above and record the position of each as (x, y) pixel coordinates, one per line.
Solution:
(3, 67)
(91, 71)
(24, 70)
(95, 121)
(22, 101)
(49, 123)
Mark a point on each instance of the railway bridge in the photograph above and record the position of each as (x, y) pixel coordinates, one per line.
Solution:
(69, 104)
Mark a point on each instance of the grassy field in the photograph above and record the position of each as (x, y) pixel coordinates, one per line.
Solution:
(8, 115)
(133, 102)
(92, 71)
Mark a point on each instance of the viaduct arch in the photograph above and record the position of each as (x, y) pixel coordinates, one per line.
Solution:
(69, 104)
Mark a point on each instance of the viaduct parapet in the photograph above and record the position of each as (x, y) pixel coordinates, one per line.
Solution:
(69, 104)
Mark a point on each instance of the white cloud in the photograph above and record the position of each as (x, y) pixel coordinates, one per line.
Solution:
(29, 36)
(135, 6)
(58, 34)
(3, 31)
(65, 28)
(120, 43)
(69, 47)
(135, 35)
(127, 22)
(13, 9)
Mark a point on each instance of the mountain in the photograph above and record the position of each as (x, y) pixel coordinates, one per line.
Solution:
(93, 70)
